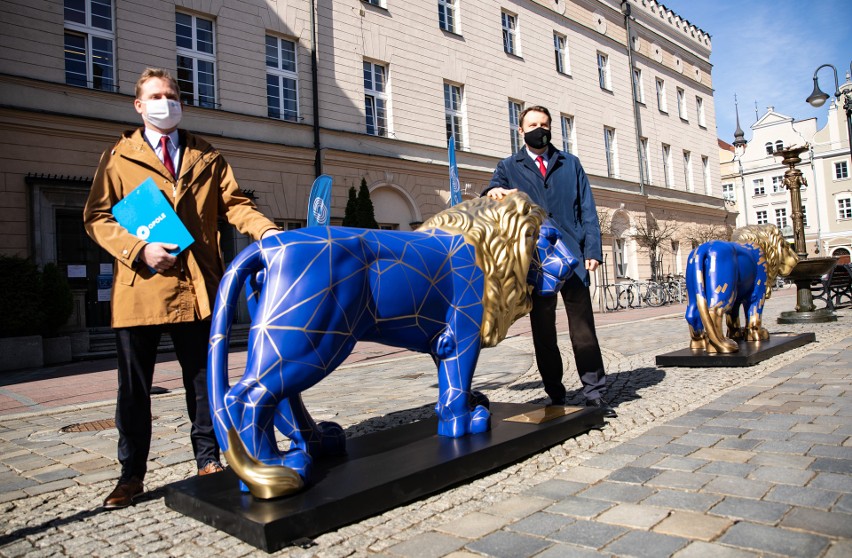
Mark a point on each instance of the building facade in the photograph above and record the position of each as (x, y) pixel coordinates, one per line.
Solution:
(358, 90)
(752, 178)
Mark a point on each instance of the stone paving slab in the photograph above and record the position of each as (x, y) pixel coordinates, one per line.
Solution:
(581, 498)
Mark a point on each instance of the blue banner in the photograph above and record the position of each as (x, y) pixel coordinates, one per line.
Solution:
(319, 202)
(455, 187)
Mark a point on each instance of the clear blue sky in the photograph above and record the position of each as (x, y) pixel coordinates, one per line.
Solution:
(767, 52)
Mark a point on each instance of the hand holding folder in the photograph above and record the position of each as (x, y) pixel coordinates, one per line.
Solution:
(146, 213)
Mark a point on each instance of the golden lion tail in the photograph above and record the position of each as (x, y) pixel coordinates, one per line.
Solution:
(263, 481)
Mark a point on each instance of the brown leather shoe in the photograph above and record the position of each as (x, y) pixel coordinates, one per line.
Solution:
(124, 494)
(210, 468)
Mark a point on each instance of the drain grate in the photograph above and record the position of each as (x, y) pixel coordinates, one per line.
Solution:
(91, 426)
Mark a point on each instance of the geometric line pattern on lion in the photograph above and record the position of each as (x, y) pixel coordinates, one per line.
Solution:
(448, 289)
(723, 277)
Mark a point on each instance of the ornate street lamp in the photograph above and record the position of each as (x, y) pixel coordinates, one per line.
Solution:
(818, 98)
(808, 269)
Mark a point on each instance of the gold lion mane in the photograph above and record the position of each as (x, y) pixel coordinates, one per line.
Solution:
(504, 234)
(775, 248)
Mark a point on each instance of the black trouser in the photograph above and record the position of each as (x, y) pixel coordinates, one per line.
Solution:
(584, 340)
(137, 354)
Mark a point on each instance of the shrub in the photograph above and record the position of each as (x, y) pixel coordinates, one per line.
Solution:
(20, 297)
(32, 302)
(57, 303)
(350, 216)
(366, 213)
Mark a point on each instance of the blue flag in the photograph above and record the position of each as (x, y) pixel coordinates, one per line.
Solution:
(455, 187)
(319, 202)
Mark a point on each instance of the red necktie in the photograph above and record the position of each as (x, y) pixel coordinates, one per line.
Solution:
(167, 159)
(540, 162)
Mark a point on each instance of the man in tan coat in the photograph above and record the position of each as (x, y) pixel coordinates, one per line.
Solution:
(155, 291)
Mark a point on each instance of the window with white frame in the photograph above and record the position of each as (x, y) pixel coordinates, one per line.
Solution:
(379, 3)
(510, 33)
(375, 98)
(762, 218)
(560, 51)
(769, 148)
(699, 108)
(603, 71)
(196, 60)
(687, 170)
(569, 144)
(514, 122)
(282, 79)
(728, 192)
(638, 86)
(681, 104)
(453, 113)
(844, 208)
(667, 165)
(778, 184)
(448, 16)
(646, 159)
(759, 189)
(620, 253)
(705, 172)
(611, 152)
(662, 103)
(804, 216)
(841, 170)
(779, 145)
(781, 217)
(89, 44)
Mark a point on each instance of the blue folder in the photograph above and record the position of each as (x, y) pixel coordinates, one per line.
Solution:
(147, 213)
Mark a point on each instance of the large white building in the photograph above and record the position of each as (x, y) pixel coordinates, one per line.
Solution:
(358, 89)
(753, 180)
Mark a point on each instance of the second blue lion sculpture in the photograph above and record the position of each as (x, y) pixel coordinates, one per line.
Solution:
(448, 289)
(724, 277)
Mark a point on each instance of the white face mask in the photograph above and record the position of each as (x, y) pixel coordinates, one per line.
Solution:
(163, 113)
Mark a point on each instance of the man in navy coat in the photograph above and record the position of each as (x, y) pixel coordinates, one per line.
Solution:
(556, 181)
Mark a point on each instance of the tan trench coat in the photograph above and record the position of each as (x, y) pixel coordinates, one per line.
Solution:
(204, 190)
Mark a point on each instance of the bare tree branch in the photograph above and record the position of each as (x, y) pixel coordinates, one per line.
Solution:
(655, 236)
(699, 234)
(605, 220)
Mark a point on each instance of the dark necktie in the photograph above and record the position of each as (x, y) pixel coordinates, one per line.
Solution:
(540, 162)
(167, 158)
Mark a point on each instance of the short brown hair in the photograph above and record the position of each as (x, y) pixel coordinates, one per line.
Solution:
(150, 73)
(535, 108)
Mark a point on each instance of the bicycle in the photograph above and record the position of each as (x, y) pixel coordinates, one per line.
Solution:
(675, 287)
(610, 296)
(655, 294)
(632, 293)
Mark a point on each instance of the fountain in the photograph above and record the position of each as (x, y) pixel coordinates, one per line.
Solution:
(808, 269)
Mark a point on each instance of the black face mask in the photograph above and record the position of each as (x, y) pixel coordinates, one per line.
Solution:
(537, 138)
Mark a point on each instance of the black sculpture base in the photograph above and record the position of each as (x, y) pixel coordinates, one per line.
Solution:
(380, 471)
(750, 353)
(820, 316)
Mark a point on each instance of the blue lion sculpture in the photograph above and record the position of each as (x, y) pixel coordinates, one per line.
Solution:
(447, 289)
(722, 277)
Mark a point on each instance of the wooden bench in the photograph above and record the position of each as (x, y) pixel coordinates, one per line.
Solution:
(835, 289)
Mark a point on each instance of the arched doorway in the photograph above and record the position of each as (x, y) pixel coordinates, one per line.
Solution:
(394, 208)
(842, 255)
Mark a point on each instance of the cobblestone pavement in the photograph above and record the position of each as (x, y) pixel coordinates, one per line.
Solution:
(700, 462)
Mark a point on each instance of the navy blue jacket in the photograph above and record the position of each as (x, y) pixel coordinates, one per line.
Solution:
(565, 194)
